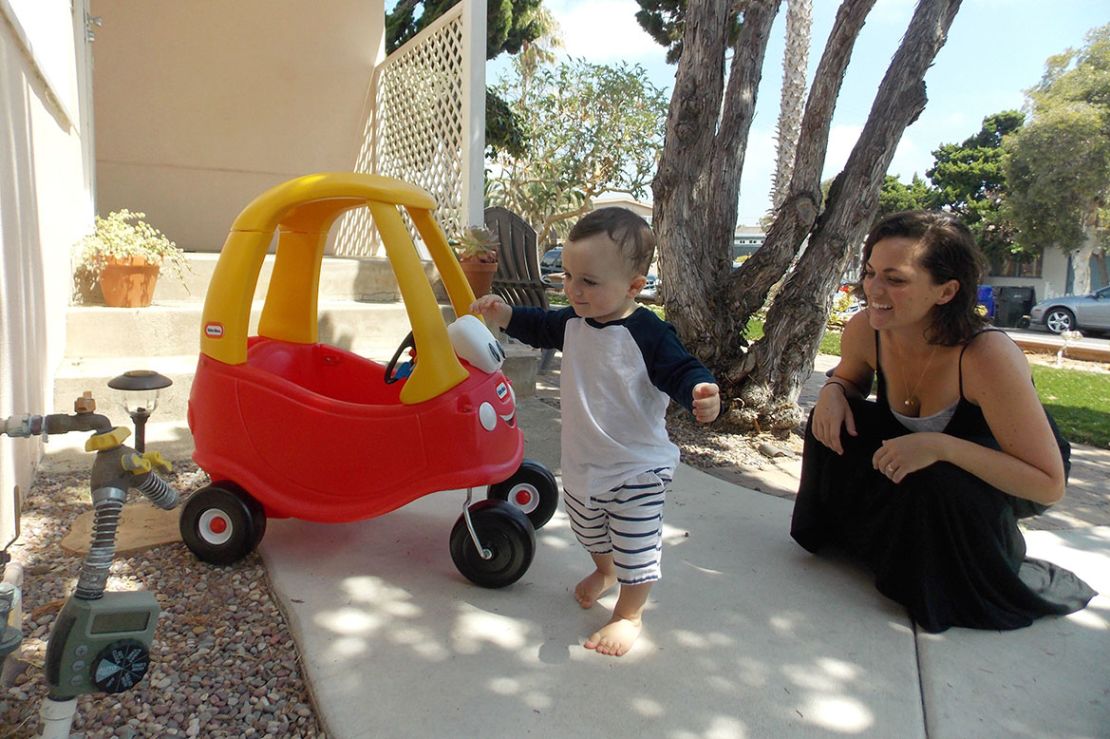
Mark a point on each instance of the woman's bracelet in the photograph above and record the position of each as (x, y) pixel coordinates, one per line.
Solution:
(841, 385)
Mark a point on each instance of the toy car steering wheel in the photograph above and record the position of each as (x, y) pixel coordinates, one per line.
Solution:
(391, 375)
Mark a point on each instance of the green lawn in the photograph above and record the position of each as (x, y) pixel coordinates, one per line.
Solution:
(1078, 400)
(830, 342)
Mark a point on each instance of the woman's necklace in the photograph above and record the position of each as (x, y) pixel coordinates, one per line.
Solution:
(912, 403)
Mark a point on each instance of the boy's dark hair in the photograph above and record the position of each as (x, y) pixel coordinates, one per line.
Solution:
(629, 232)
(949, 252)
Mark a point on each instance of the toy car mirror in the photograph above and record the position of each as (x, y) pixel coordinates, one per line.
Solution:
(473, 342)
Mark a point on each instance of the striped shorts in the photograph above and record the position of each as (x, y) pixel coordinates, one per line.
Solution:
(626, 522)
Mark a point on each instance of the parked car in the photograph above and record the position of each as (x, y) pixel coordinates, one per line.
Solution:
(1074, 312)
(551, 263)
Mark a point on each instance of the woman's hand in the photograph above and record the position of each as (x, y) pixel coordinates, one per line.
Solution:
(830, 414)
(902, 455)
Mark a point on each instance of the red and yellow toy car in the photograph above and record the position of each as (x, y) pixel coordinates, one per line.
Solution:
(288, 427)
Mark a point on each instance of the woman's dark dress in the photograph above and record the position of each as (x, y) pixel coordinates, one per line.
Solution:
(943, 543)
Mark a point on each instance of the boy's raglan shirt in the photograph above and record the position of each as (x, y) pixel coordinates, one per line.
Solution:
(616, 381)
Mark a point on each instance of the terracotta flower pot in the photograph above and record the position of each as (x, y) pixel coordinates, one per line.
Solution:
(128, 283)
(480, 276)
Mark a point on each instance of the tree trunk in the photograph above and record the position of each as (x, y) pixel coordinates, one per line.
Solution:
(749, 286)
(1103, 273)
(795, 59)
(1081, 264)
(697, 181)
(778, 365)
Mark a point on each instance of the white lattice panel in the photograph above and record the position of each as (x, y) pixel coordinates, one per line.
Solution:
(414, 130)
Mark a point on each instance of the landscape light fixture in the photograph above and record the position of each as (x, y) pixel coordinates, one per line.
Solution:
(140, 394)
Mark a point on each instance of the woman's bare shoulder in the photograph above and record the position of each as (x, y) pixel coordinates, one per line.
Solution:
(992, 359)
(991, 347)
(857, 349)
(858, 336)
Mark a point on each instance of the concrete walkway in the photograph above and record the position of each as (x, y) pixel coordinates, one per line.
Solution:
(747, 634)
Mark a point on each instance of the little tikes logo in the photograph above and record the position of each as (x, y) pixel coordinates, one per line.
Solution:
(214, 330)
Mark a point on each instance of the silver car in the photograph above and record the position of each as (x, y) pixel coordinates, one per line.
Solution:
(1074, 312)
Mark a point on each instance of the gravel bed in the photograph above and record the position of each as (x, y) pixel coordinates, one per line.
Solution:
(223, 663)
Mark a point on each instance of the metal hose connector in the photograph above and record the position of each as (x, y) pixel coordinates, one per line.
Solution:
(158, 491)
(107, 509)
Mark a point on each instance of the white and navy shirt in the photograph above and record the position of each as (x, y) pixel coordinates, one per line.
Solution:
(617, 378)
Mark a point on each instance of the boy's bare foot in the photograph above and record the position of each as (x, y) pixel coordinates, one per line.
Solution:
(616, 637)
(592, 587)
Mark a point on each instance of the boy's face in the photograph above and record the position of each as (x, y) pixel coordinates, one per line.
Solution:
(597, 281)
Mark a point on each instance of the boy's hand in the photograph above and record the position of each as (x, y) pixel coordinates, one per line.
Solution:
(493, 309)
(707, 402)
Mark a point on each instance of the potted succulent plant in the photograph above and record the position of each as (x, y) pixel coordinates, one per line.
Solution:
(476, 248)
(124, 255)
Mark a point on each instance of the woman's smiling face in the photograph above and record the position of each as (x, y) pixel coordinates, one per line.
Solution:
(900, 291)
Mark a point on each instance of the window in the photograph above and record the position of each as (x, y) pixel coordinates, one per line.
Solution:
(1007, 265)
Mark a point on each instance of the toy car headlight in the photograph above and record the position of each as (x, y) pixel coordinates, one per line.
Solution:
(473, 342)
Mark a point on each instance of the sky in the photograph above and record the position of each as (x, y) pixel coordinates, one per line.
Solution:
(996, 49)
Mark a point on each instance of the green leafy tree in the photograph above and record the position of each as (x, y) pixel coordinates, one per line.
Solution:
(588, 128)
(1058, 165)
(665, 21)
(969, 181)
(895, 195)
(511, 25)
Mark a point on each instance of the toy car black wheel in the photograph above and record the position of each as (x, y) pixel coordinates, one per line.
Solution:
(1059, 320)
(221, 523)
(532, 489)
(505, 534)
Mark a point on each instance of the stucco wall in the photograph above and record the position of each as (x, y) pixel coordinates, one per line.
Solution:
(45, 205)
(1051, 283)
(202, 105)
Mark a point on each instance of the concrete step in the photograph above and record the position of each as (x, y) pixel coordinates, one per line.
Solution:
(341, 278)
(173, 328)
(76, 375)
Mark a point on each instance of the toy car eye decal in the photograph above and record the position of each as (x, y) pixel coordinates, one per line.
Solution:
(496, 351)
(502, 390)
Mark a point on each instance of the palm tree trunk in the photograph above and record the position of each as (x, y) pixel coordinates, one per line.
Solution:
(795, 59)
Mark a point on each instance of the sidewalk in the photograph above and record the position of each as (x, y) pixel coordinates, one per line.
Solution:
(746, 635)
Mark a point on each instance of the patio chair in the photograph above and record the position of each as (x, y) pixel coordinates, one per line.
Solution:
(518, 271)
